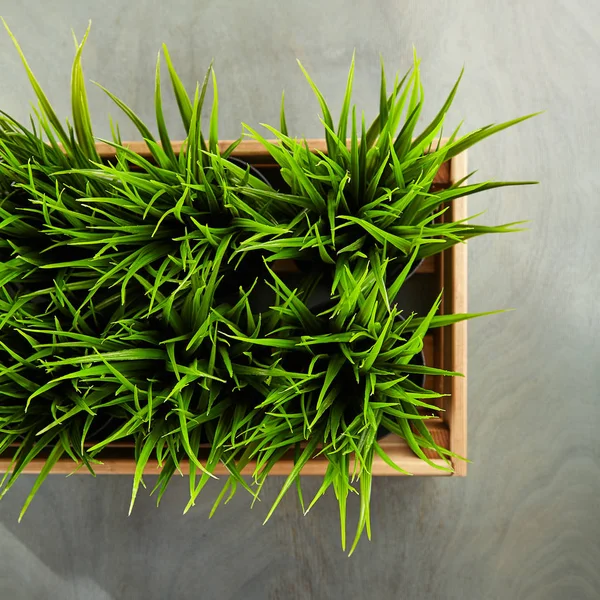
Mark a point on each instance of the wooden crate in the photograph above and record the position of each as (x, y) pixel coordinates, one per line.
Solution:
(444, 348)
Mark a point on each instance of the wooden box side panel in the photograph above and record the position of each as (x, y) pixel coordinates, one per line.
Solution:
(455, 336)
(249, 150)
(123, 463)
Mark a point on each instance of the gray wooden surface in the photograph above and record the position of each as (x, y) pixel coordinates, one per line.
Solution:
(525, 523)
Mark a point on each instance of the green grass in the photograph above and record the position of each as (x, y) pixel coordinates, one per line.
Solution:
(138, 300)
(372, 193)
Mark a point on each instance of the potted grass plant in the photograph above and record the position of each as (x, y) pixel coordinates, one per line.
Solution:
(371, 194)
(141, 302)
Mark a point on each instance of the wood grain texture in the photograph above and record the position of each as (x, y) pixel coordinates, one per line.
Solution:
(455, 336)
(392, 444)
(254, 152)
(523, 525)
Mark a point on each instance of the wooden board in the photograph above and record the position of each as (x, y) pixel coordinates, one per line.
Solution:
(446, 349)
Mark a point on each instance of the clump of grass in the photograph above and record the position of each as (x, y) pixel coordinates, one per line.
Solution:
(112, 288)
(373, 192)
(138, 298)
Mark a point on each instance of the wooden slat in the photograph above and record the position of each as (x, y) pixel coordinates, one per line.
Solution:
(440, 341)
(441, 436)
(125, 464)
(427, 266)
(428, 349)
(248, 150)
(455, 280)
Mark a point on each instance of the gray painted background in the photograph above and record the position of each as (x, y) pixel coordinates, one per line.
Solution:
(525, 523)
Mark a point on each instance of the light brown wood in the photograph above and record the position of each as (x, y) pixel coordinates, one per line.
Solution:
(456, 415)
(125, 465)
(248, 150)
(440, 341)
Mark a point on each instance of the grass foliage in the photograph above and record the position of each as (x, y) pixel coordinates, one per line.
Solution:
(372, 195)
(132, 292)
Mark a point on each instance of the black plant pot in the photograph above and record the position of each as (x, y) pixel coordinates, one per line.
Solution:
(314, 263)
(396, 266)
(253, 170)
(100, 425)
